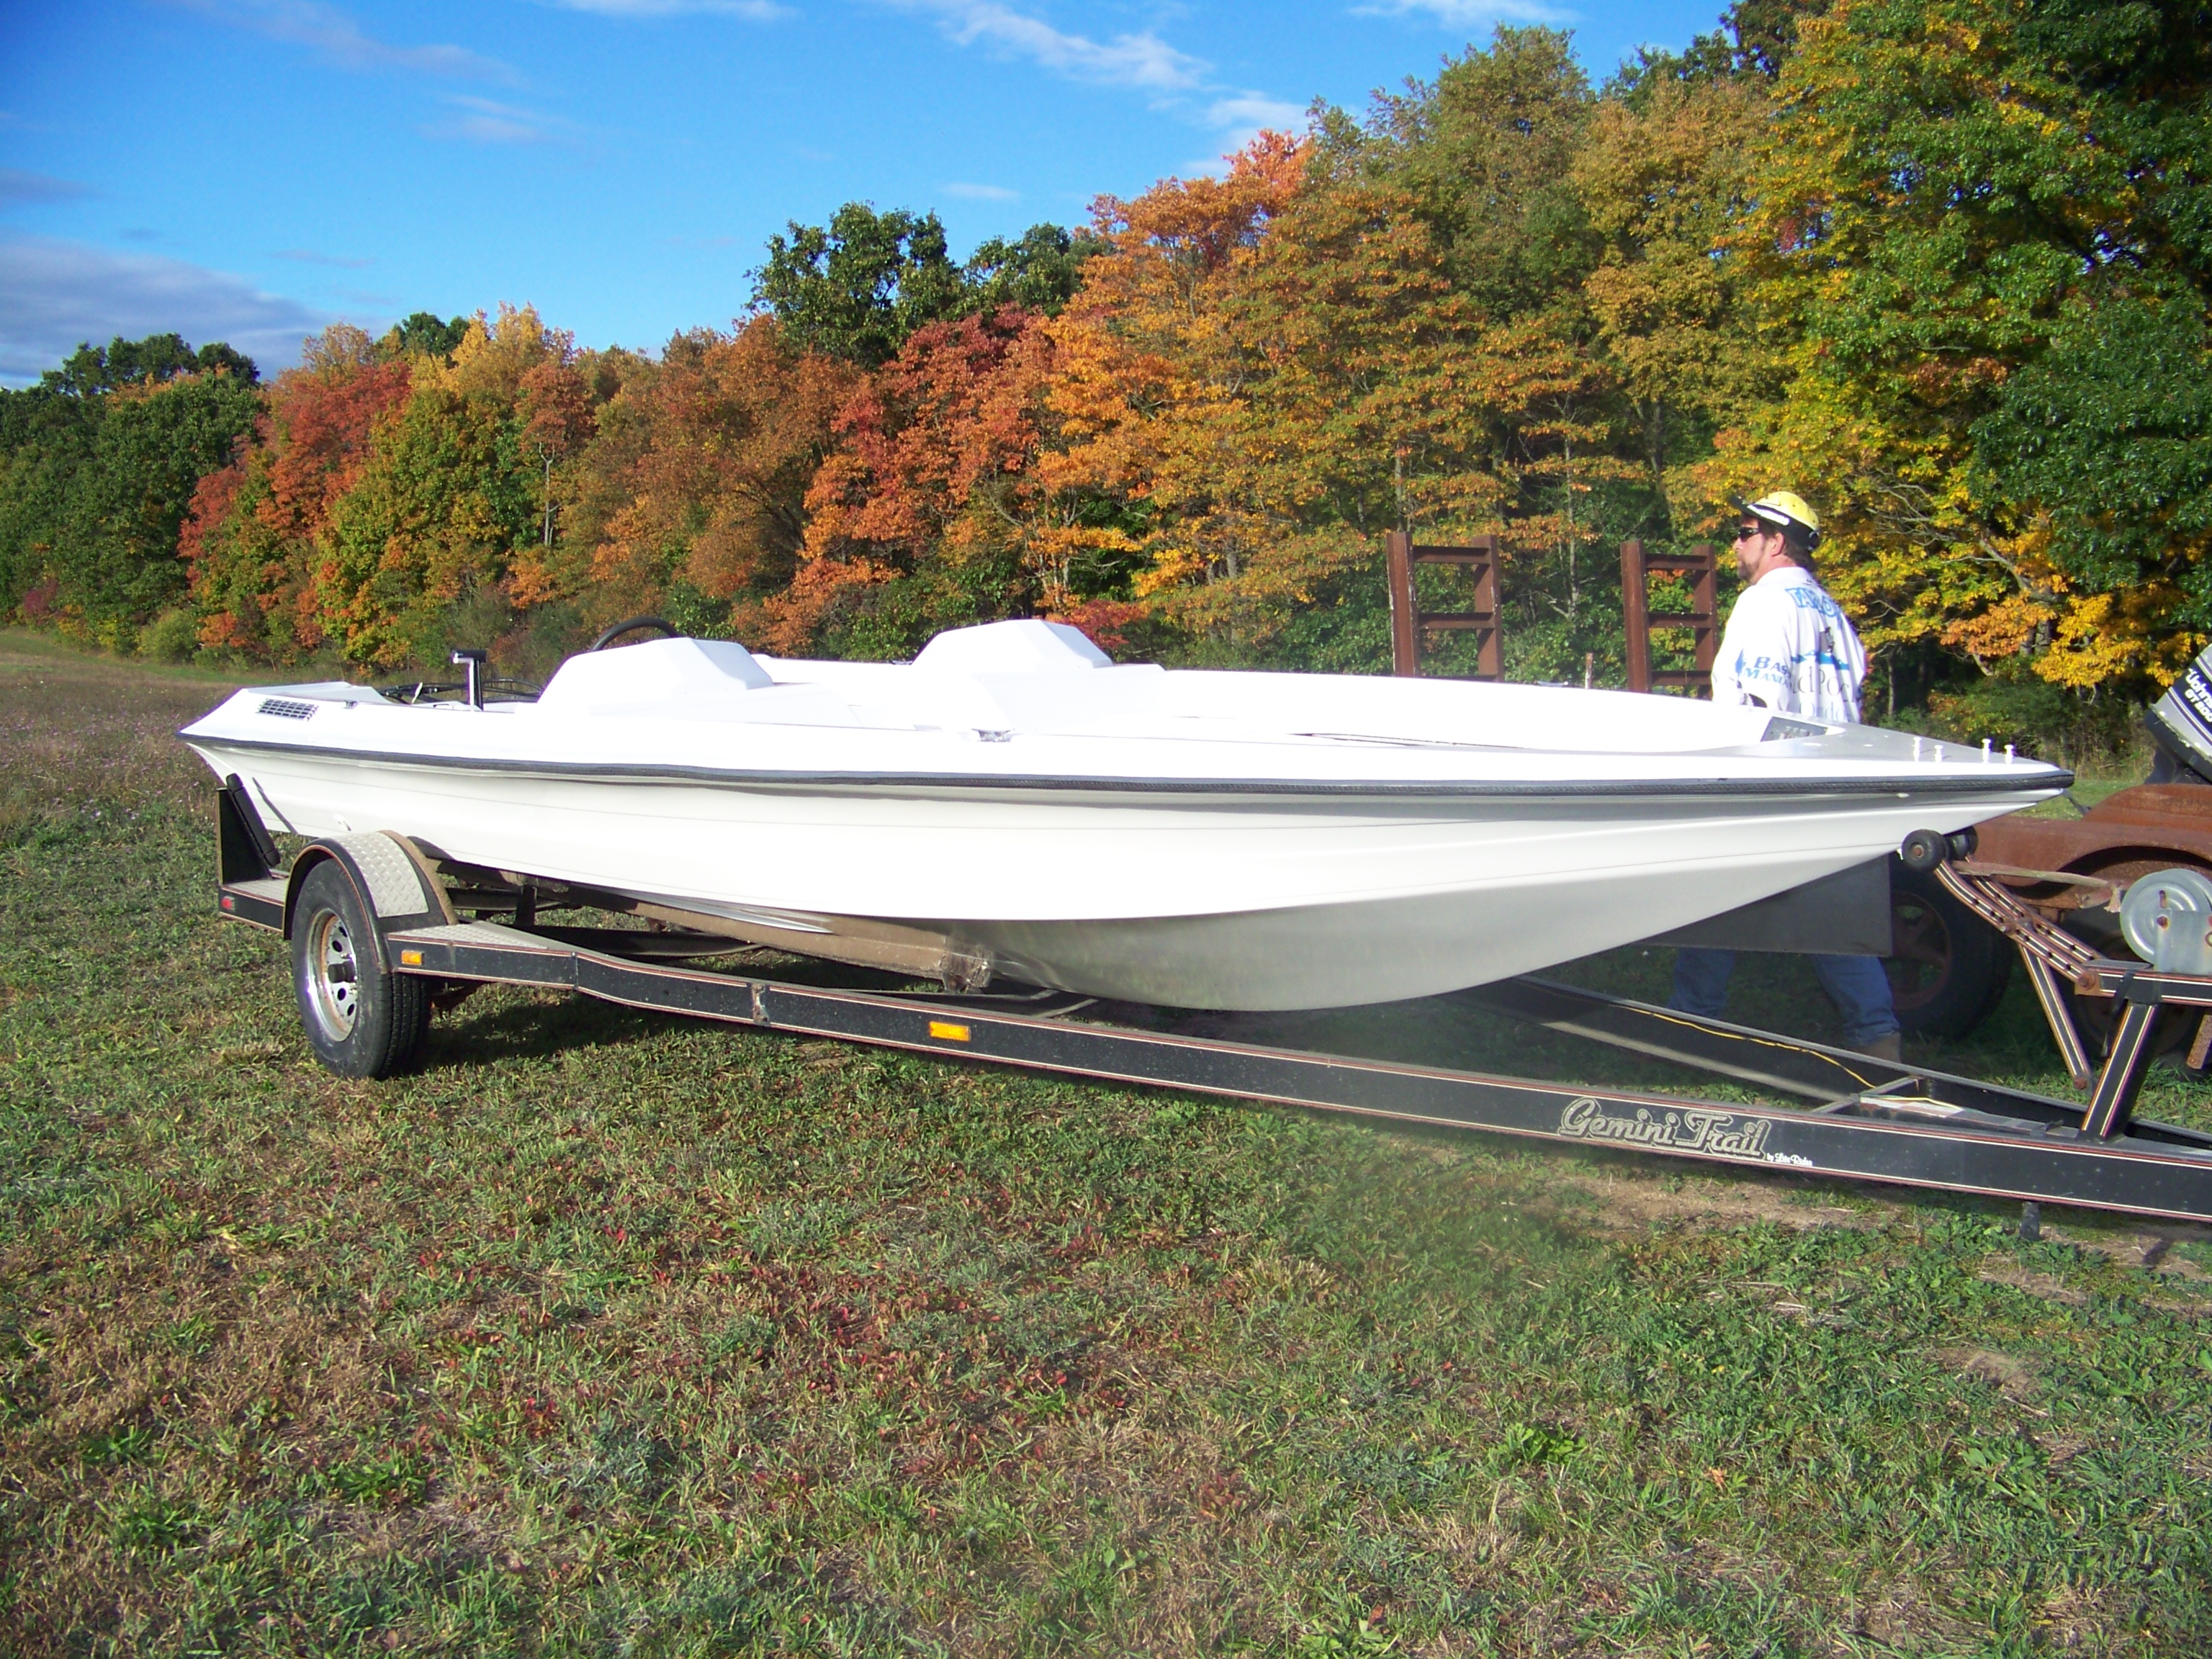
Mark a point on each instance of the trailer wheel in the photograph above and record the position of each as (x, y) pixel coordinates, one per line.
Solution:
(362, 1020)
(1947, 968)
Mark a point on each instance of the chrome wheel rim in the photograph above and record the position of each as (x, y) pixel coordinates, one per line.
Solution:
(333, 975)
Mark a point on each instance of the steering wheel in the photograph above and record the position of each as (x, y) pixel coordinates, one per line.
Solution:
(630, 625)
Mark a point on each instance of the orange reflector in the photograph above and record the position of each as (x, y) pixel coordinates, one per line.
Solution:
(948, 1031)
(410, 958)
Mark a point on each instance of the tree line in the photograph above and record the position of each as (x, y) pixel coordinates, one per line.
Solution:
(1940, 265)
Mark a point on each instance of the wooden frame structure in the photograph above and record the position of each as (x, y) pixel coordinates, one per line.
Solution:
(1701, 566)
(1408, 621)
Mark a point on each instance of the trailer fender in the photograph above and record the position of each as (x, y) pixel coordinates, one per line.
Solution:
(390, 874)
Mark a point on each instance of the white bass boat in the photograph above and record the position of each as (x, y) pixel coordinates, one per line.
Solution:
(1011, 804)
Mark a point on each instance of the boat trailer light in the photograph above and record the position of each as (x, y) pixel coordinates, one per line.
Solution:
(946, 1031)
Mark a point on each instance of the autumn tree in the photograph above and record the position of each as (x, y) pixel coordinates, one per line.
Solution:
(1379, 328)
(254, 541)
(930, 508)
(1663, 176)
(1978, 223)
(442, 502)
(1151, 386)
(689, 497)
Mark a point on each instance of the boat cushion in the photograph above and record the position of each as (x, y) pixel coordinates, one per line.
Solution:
(1030, 646)
(657, 671)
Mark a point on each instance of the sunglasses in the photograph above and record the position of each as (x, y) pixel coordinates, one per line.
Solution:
(1744, 533)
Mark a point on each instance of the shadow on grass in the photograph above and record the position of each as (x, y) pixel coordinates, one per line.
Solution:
(497, 1024)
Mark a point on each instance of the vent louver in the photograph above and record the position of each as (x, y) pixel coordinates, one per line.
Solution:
(286, 708)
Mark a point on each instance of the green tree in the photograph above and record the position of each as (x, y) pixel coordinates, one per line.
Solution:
(1984, 233)
(98, 463)
(115, 562)
(423, 335)
(857, 289)
(90, 369)
(1038, 273)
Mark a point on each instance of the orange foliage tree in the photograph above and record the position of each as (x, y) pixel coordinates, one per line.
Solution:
(690, 497)
(252, 540)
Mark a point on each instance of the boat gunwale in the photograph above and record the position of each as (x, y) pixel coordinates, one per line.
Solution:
(678, 775)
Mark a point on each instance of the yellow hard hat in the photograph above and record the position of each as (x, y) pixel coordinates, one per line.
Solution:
(1785, 508)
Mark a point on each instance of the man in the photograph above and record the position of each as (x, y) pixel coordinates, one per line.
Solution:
(1789, 647)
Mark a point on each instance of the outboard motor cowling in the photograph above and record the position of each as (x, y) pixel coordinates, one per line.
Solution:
(2180, 725)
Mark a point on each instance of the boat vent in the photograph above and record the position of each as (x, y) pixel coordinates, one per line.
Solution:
(1779, 727)
(287, 708)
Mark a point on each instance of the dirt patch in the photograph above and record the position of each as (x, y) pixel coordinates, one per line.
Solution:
(2011, 1378)
(2150, 1248)
(2049, 1286)
(1626, 1203)
(2060, 1447)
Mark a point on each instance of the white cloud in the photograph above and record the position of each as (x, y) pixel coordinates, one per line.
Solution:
(19, 189)
(327, 30)
(982, 192)
(1254, 112)
(307, 256)
(1244, 117)
(483, 122)
(757, 11)
(1142, 61)
(55, 294)
(1128, 60)
(1469, 13)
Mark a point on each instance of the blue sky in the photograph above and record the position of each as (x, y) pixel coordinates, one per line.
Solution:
(252, 169)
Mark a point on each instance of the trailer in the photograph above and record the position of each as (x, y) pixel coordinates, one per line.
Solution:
(381, 930)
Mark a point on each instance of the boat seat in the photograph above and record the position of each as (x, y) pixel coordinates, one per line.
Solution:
(664, 673)
(1030, 646)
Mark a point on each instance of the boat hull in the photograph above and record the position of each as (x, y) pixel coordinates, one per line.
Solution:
(1266, 898)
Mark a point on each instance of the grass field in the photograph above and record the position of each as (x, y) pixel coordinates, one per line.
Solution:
(613, 1334)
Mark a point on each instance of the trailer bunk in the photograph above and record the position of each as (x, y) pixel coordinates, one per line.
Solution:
(377, 938)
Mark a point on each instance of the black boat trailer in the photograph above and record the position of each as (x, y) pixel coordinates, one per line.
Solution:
(388, 936)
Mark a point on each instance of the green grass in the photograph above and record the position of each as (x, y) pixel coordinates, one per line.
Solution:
(613, 1334)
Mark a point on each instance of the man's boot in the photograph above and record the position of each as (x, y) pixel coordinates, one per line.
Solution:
(1890, 1045)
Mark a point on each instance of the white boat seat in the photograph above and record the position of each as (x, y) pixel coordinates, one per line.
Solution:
(1030, 646)
(672, 673)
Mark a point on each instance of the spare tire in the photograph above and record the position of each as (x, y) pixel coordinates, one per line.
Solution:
(1948, 968)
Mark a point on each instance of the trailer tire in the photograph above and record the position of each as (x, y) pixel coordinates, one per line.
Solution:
(362, 1019)
(1948, 969)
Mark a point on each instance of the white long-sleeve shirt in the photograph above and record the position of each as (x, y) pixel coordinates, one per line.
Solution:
(1788, 647)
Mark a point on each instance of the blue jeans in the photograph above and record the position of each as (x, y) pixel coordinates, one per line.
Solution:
(1857, 985)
